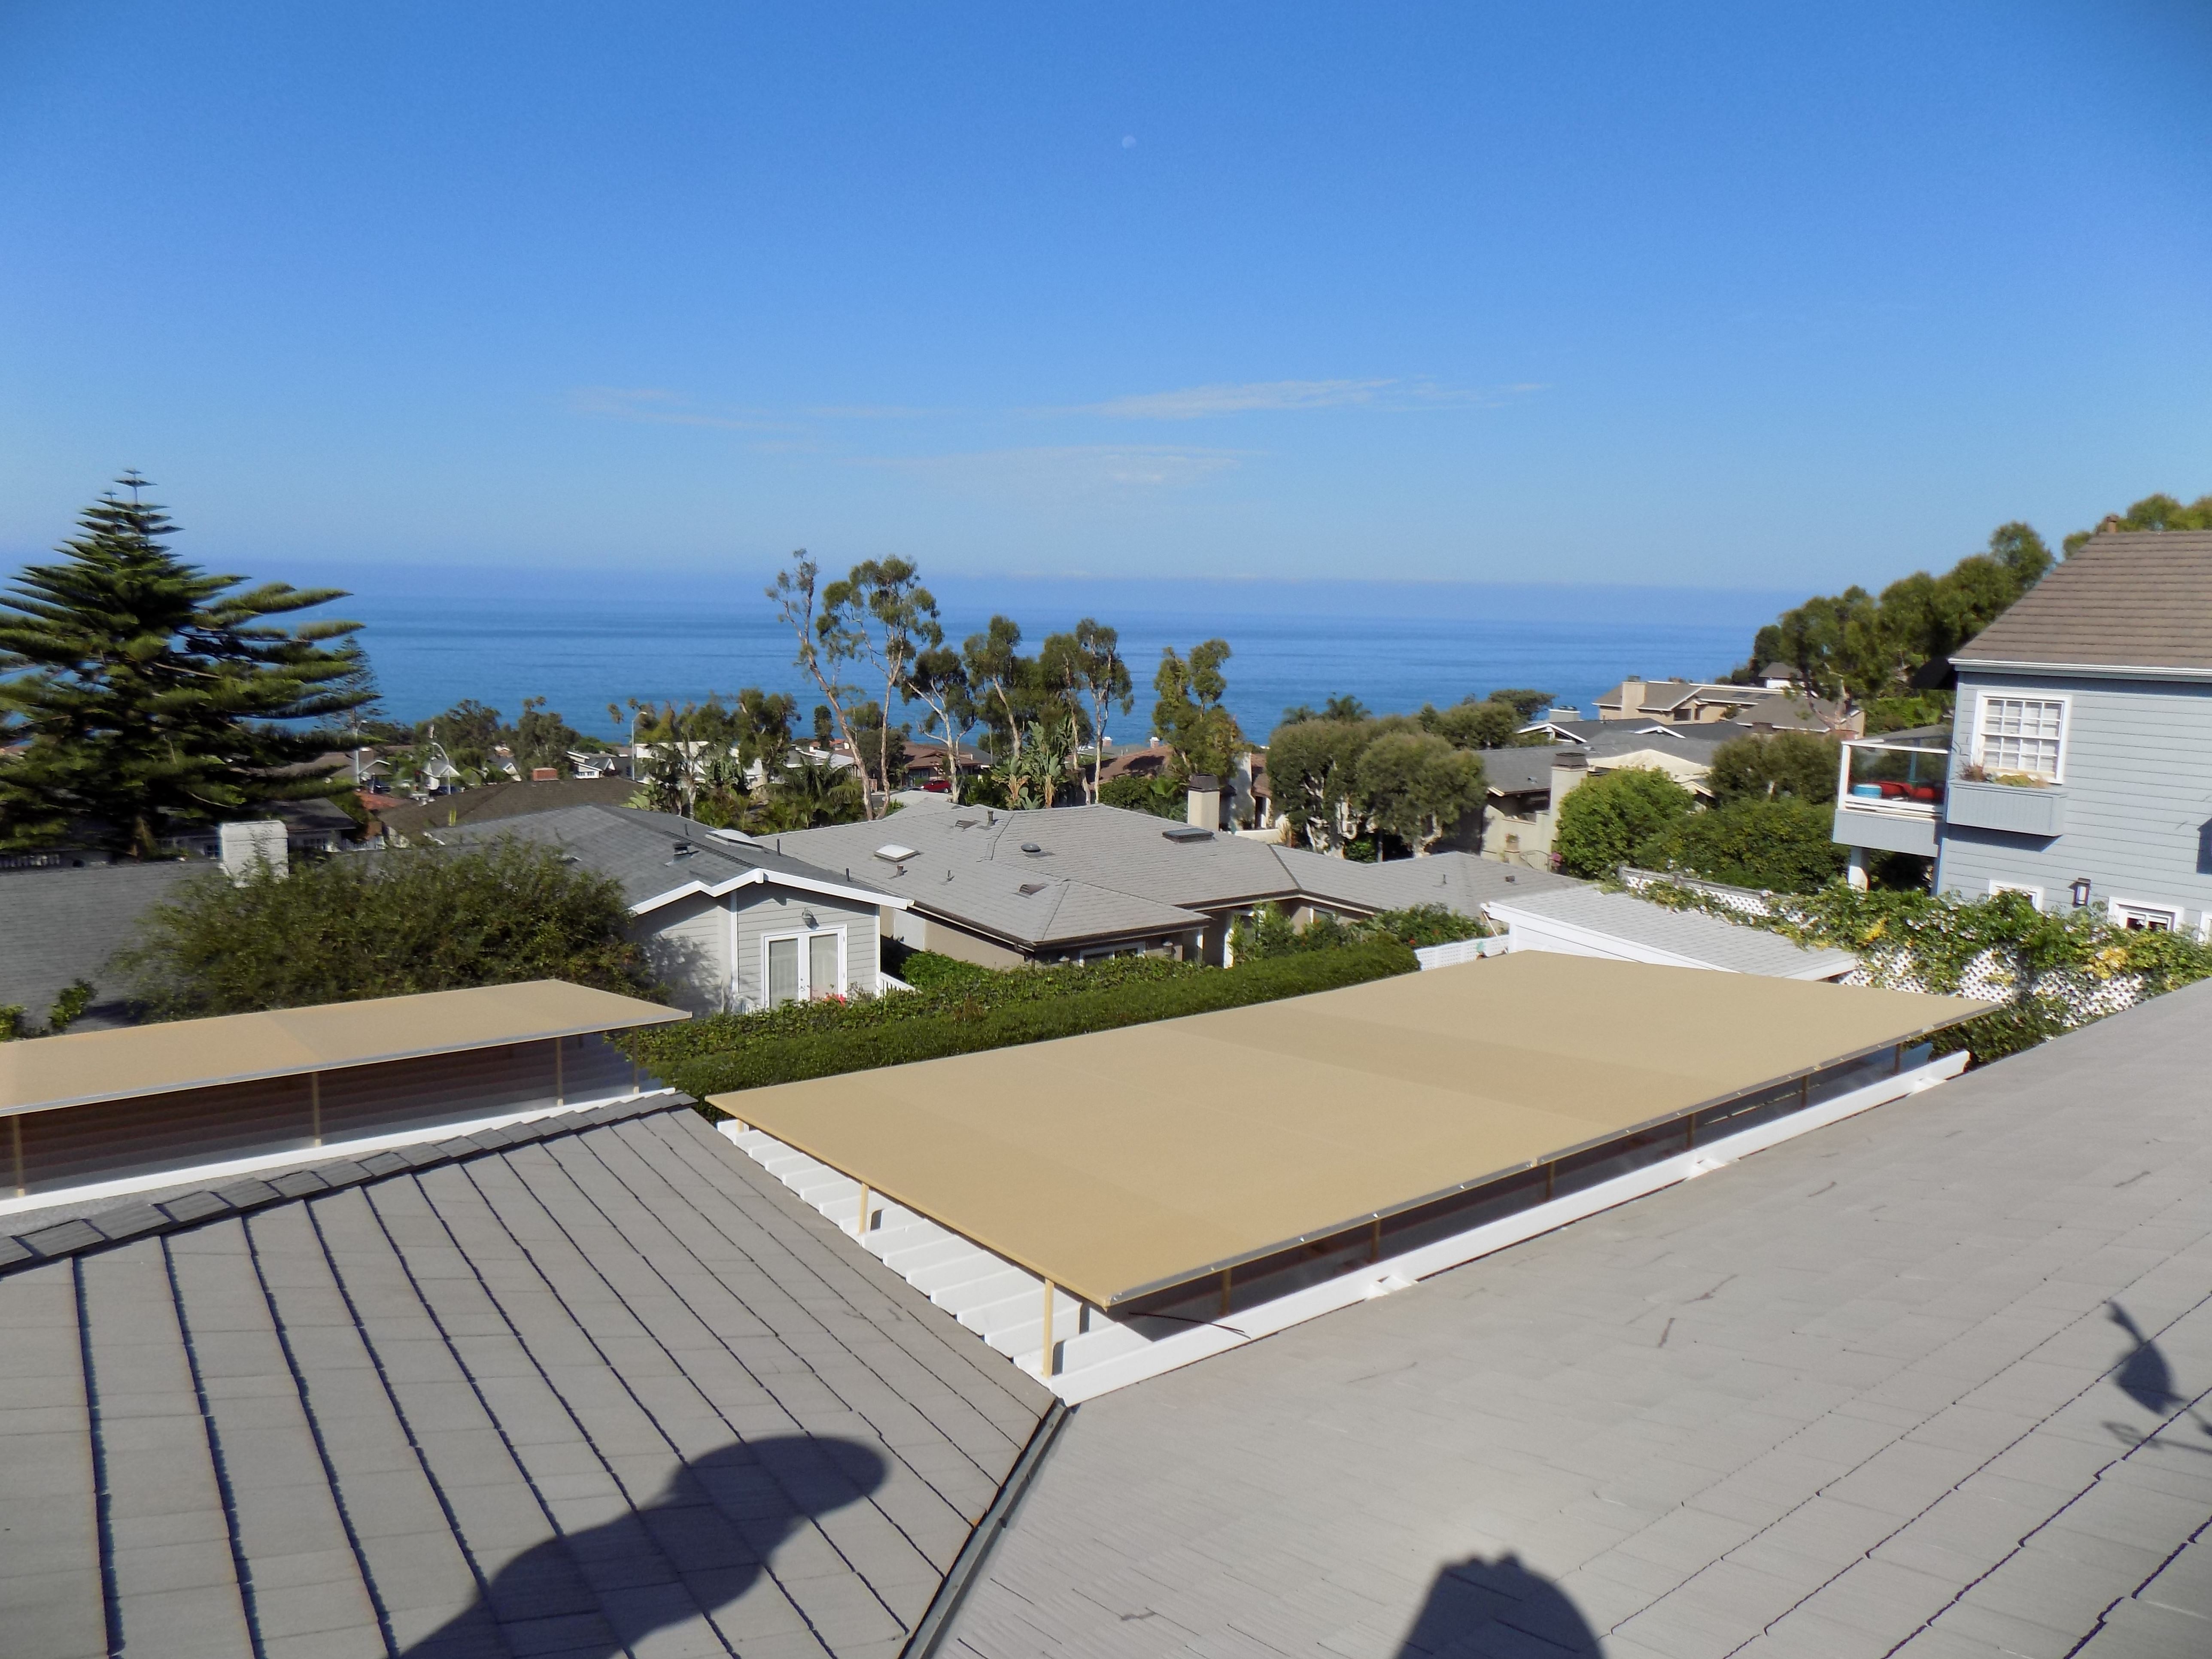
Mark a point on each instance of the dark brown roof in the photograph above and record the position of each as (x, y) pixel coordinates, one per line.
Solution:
(504, 800)
(2139, 599)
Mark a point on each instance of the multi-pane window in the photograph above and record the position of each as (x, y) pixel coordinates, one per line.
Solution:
(805, 967)
(2023, 735)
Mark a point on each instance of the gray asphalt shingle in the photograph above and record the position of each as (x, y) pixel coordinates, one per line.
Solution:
(608, 1384)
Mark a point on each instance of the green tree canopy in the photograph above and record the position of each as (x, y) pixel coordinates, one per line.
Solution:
(2159, 512)
(1604, 821)
(155, 696)
(1794, 765)
(1854, 645)
(389, 924)
(1784, 845)
(1203, 736)
(1416, 786)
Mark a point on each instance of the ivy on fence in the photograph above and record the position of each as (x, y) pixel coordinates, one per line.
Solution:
(2048, 974)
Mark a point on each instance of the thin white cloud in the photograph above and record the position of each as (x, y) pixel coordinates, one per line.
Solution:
(1256, 397)
(1070, 469)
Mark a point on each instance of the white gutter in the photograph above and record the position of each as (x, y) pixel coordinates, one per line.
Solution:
(772, 878)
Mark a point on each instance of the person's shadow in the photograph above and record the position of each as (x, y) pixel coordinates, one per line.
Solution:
(695, 1548)
(1473, 1598)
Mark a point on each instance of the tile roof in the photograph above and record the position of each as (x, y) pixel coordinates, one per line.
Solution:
(645, 852)
(1100, 871)
(2131, 599)
(1697, 938)
(57, 925)
(589, 1385)
(1926, 1380)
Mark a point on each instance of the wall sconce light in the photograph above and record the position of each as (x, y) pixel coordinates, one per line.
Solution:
(807, 917)
(2080, 892)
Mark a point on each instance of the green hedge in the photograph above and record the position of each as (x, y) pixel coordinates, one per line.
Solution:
(1133, 1000)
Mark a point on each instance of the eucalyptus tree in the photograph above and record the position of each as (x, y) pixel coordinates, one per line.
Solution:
(1202, 734)
(1088, 667)
(824, 649)
(149, 694)
(883, 615)
(940, 683)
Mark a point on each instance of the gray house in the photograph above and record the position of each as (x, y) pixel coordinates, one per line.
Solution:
(729, 923)
(2078, 770)
(1068, 882)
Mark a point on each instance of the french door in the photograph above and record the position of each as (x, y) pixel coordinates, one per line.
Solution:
(803, 967)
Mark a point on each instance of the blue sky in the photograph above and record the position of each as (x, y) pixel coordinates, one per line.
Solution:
(1727, 296)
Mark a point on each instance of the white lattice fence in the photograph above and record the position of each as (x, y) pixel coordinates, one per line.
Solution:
(1992, 976)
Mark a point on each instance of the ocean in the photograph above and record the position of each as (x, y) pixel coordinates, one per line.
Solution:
(584, 639)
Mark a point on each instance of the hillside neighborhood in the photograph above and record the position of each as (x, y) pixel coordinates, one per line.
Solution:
(1245, 831)
(660, 1048)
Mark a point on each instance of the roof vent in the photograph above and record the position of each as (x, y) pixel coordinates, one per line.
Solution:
(684, 849)
(1031, 848)
(1187, 832)
(1028, 888)
(891, 853)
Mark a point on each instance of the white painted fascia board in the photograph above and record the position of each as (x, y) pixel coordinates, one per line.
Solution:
(771, 879)
(2094, 670)
(1613, 943)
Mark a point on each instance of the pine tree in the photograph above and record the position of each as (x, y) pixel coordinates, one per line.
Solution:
(150, 691)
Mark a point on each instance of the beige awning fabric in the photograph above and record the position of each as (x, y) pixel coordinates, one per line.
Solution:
(193, 1053)
(1119, 1163)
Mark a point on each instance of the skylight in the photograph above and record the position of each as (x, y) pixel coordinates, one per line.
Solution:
(1187, 832)
(892, 852)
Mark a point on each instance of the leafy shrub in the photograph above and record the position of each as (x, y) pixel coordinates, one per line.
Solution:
(928, 970)
(1606, 820)
(1795, 765)
(1785, 846)
(1164, 798)
(1140, 992)
(381, 924)
(1271, 933)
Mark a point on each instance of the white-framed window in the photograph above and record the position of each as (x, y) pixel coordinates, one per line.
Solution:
(2033, 895)
(2145, 918)
(803, 967)
(2023, 734)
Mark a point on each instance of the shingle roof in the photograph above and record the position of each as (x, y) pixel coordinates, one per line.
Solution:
(650, 855)
(1100, 871)
(1697, 938)
(2132, 599)
(1464, 882)
(1928, 1380)
(57, 925)
(565, 1388)
(489, 801)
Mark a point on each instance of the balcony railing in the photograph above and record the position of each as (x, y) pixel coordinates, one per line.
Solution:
(1895, 779)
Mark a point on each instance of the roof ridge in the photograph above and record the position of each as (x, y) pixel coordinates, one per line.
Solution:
(82, 1235)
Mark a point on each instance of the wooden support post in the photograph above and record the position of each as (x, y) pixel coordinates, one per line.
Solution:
(560, 1088)
(315, 1105)
(1374, 1242)
(1046, 1365)
(863, 1228)
(16, 1146)
(1690, 1131)
(1226, 1272)
(1550, 1170)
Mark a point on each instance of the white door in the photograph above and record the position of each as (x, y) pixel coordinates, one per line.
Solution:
(803, 967)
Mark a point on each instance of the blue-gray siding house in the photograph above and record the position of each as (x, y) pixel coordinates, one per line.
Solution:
(2080, 762)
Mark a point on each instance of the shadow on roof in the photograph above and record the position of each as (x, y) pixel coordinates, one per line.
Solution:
(1477, 1606)
(698, 1546)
